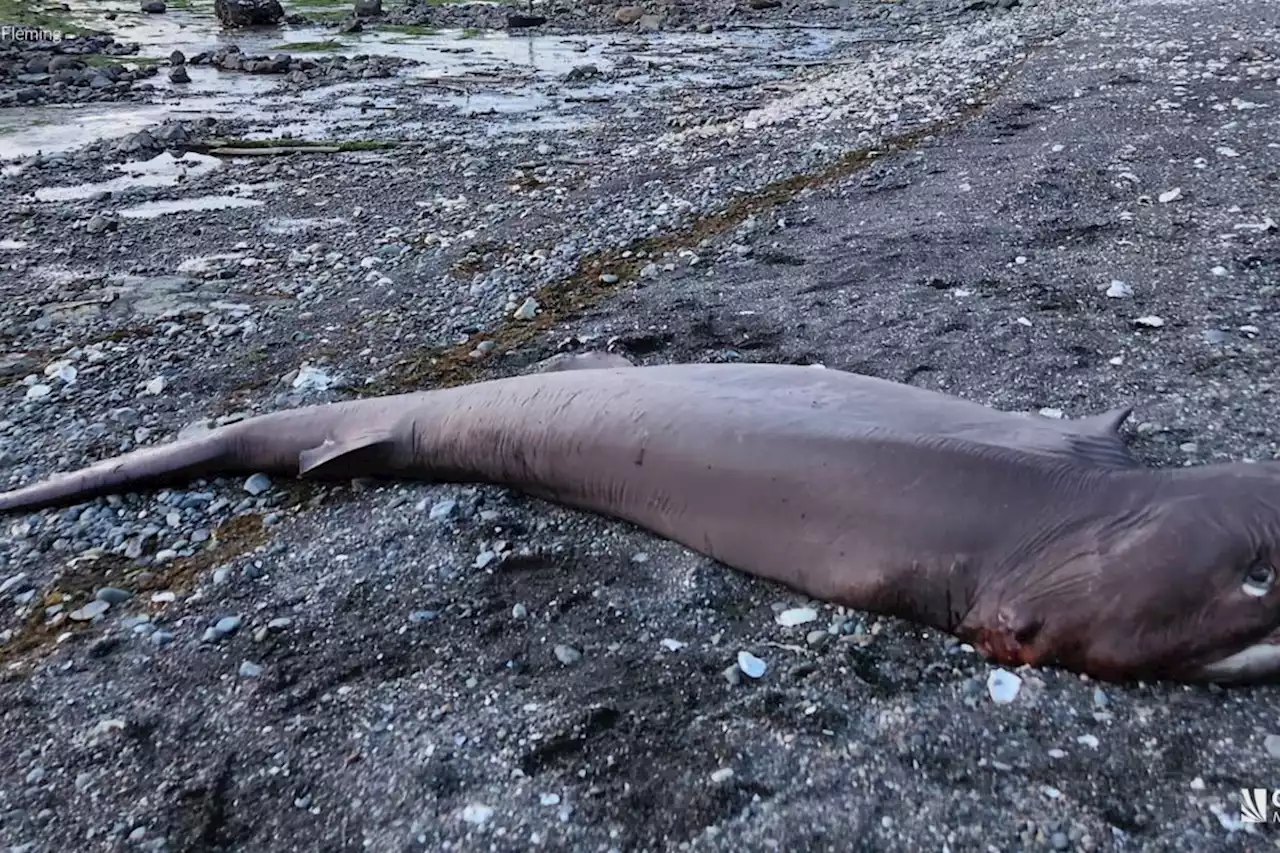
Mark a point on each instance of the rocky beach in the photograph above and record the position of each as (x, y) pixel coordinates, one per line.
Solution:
(1059, 207)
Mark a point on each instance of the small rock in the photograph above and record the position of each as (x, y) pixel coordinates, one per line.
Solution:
(1151, 321)
(549, 799)
(627, 15)
(724, 774)
(1170, 195)
(1118, 289)
(519, 611)
(249, 669)
(527, 310)
(35, 392)
(179, 74)
(1003, 686)
(673, 645)
(477, 813)
(751, 666)
(796, 616)
(113, 595)
(257, 484)
(90, 611)
(567, 655)
(1272, 745)
(99, 223)
(442, 510)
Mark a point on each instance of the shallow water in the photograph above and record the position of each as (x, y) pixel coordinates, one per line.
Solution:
(507, 83)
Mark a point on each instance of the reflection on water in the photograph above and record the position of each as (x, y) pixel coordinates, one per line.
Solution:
(163, 170)
(514, 81)
(152, 209)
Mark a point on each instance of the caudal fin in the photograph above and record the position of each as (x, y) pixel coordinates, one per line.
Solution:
(148, 468)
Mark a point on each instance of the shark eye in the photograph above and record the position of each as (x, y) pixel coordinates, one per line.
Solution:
(1259, 580)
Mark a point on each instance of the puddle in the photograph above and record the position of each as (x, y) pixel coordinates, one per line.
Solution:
(283, 225)
(163, 170)
(152, 209)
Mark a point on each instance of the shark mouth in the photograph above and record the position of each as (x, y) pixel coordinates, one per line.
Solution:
(1258, 661)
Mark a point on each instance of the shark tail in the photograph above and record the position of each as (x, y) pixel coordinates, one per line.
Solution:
(150, 467)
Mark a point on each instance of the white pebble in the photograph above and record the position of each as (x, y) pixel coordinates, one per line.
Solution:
(751, 666)
(39, 390)
(724, 774)
(1003, 686)
(1170, 195)
(477, 813)
(1151, 321)
(673, 645)
(796, 616)
(1118, 289)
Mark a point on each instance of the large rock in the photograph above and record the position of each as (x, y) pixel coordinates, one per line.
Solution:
(248, 13)
(368, 8)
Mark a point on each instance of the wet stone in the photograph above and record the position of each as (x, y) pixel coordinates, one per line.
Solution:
(113, 595)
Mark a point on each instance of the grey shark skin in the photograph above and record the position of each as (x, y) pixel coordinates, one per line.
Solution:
(1039, 541)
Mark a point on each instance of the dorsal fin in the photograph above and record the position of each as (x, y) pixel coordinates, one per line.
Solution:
(1097, 439)
(1106, 424)
(344, 457)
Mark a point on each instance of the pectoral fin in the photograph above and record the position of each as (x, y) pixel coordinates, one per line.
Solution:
(353, 456)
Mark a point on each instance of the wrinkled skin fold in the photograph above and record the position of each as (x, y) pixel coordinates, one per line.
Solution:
(1039, 541)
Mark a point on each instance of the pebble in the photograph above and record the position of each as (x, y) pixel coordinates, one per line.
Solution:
(113, 595)
(484, 558)
(724, 774)
(224, 627)
(673, 645)
(1151, 321)
(1003, 686)
(249, 669)
(751, 666)
(1272, 745)
(477, 813)
(257, 484)
(817, 638)
(1100, 698)
(549, 799)
(1170, 195)
(527, 310)
(519, 611)
(90, 611)
(162, 638)
(442, 510)
(567, 655)
(1118, 289)
(609, 278)
(37, 391)
(796, 616)
(1088, 740)
(13, 583)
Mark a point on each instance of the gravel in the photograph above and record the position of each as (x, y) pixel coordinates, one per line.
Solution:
(1016, 245)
